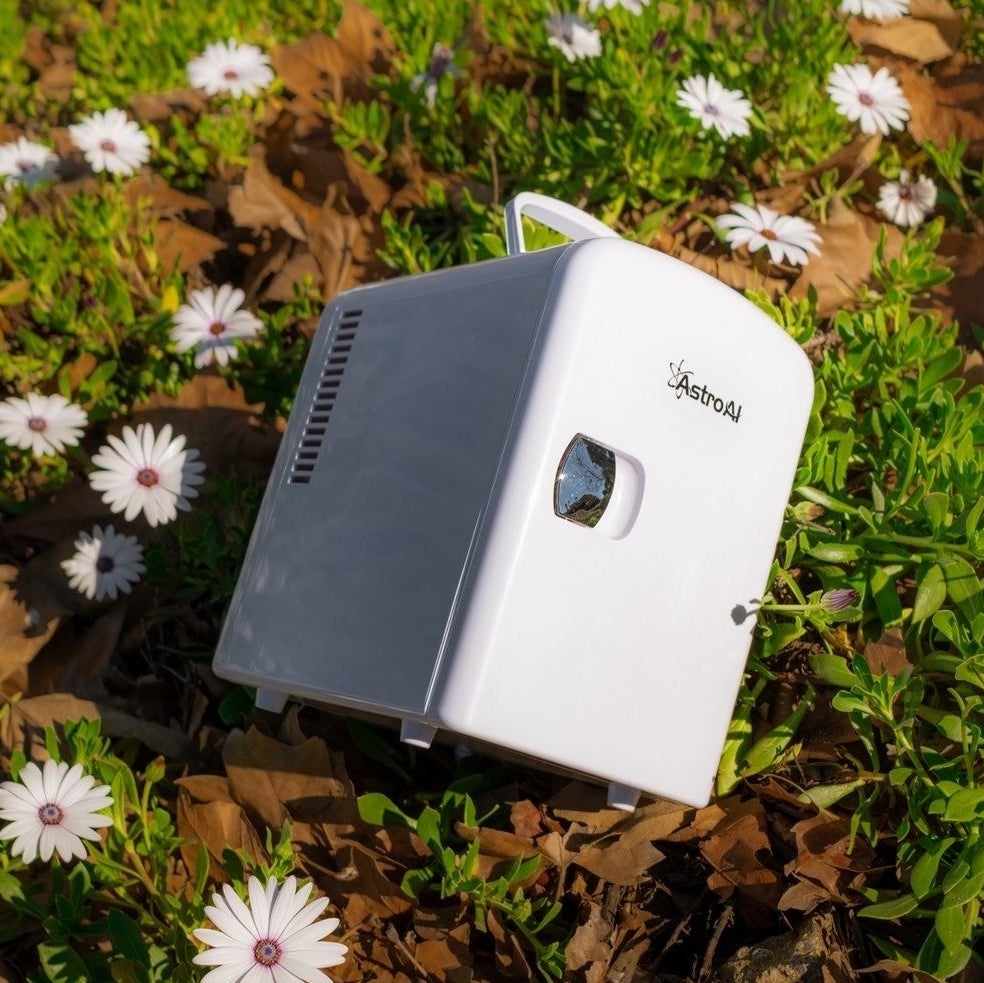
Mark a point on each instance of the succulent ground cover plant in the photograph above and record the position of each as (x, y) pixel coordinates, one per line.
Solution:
(183, 188)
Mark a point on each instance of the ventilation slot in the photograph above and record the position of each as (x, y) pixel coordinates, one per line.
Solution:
(316, 425)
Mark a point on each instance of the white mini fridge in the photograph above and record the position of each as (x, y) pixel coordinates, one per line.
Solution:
(518, 502)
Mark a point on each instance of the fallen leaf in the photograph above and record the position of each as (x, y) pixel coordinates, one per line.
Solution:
(54, 63)
(963, 253)
(733, 839)
(846, 252)
(76, 657)
(830, 864)
(22, 635)
(919, 40)
(23, 725)
(164, 199)
(948, 21)
(208, 818)
(275, 782)
(947, 104)
(887, 654)
(181, 247)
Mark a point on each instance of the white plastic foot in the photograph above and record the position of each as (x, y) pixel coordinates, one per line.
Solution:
(270, 699)
(622, 797)
(415, 733)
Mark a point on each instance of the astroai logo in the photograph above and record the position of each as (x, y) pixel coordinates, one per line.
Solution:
(682, 380)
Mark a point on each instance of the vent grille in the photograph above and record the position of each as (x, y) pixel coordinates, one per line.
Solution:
(316, 425)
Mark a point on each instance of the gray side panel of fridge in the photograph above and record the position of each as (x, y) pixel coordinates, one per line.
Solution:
(351, 576)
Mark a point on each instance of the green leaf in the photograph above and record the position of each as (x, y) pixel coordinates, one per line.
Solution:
(951, 926)
(833, 669)
(930, 594)
(965, 806)
(896, 908)
(429, 830)
(380, 810)
(128, 937)
(924, 869)
(836, 552)
(882, 581)
(62, 964)
(963, 585)
(128, 971)
(414, 881)
(825, 796)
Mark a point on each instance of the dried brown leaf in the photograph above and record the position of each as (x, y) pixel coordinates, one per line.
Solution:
(887, 654)
(963, 295)
(275, 781)
(734, 840)
(946, 105)
(590, 942)
(830, 864)
(164, 199)
(54, 63)
(21, 636)
(948, 21)
(208, 818)
(262, 202)
(76, 657)
(319, 68)
(181, 247)
(919, 40)
(846, 253)
(22, 726)
(526, 819)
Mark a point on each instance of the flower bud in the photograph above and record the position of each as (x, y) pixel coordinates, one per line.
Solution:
(837, 600)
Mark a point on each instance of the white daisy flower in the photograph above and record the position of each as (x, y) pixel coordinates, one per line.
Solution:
(275, 938)
(726, 110)
(45, 424)
(785, 236)
(876, 9)
(106, 562)
(144, 472)
(213, 321)
(228, 66)
(111, 142)
(907, 202)
(51, 810)
(635, 6)
(874, 101)
(28, 163)
(573, 37)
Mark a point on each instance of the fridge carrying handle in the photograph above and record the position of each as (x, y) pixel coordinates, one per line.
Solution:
(554, 214)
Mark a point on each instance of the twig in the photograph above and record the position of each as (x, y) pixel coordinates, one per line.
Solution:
(724, 920)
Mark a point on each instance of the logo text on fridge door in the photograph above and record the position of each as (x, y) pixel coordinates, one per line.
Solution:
(683, 381)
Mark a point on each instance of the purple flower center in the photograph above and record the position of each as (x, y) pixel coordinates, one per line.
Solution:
(711, 109)
(148, 477)
(109, 146)
(25, 166)
(230, 74)
(50, 814)
(104, 564)
(866, 99)
(37, 423)
(906, 192)
(267, 952)
(216, 328)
